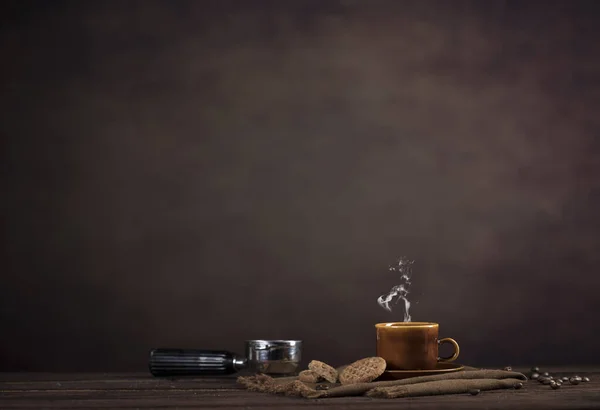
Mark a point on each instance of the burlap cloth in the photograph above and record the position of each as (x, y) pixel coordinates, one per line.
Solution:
(448, 383)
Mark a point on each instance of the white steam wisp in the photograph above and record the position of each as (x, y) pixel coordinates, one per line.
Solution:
(400, 292)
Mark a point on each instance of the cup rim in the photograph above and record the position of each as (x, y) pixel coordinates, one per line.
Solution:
(397, 325)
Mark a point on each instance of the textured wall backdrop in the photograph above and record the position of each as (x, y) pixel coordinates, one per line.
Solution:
(198, 173)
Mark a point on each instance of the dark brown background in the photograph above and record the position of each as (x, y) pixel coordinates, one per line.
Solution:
(195, 173)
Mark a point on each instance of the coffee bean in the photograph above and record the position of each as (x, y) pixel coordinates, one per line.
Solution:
(535, 369)
(573, 380)
(474, 392)
(546, 374)
(586, 379)
(555, 386)
(518, 386)
(535, 376)
(547, 381)
(508, 369)
(559, 382)
(578, 378)
(565, 379)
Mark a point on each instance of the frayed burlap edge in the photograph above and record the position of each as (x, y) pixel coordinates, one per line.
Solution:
(435, 388)
(291, 386)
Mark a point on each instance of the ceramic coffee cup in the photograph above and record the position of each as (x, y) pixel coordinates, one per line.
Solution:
(412, 345)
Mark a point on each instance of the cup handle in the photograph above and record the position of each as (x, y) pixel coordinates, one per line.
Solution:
(456, 349)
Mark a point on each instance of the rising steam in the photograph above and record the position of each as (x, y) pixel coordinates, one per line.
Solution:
(400, 292)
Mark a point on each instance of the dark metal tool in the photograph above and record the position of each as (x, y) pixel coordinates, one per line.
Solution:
(276, 357)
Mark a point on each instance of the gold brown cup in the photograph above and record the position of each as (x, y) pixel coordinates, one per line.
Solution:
(412, 345)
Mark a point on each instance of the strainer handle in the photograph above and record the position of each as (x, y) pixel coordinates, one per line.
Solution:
(193, 362)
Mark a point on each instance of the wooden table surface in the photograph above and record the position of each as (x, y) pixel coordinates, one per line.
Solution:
(130, 391)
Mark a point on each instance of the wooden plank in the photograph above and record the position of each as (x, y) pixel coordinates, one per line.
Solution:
(135, 384)
(125, 391)
(553, 400)
(42, 376)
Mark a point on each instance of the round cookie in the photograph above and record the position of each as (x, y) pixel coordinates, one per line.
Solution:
(363, 370)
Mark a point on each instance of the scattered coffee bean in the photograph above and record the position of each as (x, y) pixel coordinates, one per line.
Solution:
(555, 385)
(547, 381)
(535, 376)
(586, 379)
(322, 387)
(565, 379)
(573, 380)
(535, 369)
(546, 374)
(578, 378)
(559, 382)
(508, 369)
(518, 386)
(474, 392)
